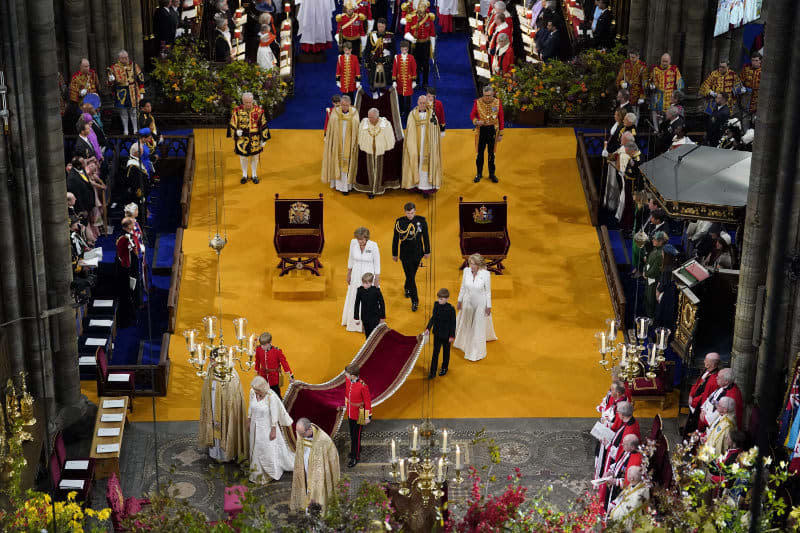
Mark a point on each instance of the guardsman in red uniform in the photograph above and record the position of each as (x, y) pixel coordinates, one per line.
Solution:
(358, 405)
(404, 73)
(351, 27)
(751, 78)
(348, 72)
(83, 82)
(269, 360)
(421, 33)
(248, 127)
(632, 76)
(406, 8)
(364, 7)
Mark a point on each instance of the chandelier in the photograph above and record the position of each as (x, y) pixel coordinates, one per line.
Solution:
(636, 357)
(15, 416)
(212, 354)
(426, 467)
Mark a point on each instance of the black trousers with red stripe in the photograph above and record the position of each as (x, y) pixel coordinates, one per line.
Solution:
(355, 439)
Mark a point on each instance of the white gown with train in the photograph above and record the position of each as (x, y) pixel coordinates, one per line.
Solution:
(268, 458)
(361, 262)
(473, 328)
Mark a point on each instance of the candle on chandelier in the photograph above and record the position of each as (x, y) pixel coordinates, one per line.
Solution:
(444, 441)
(192, 346)
(603, 345)
(458, 457)
(612, 329)
(662, 338)
(402, 469)
(414, 438)
(251, 344)
(651, 360)
(394, 452)
(441, 469)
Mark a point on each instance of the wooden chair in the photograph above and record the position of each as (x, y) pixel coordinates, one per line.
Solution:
(64, 485)
(299, 235)
(81, 468)
(114, 383)
(483, 229)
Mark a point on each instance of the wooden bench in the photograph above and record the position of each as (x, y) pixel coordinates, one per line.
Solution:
(108, 462)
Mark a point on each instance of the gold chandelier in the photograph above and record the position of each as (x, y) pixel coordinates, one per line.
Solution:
(212, 354)
(635, 357)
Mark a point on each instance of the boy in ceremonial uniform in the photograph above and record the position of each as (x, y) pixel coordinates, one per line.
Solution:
(487, 117)
(127, 81)
(348, 72)
(437, 107)
(411, 236)
(404, 72)
(269, 360)
(248, 127)
(632, 76)
(421, 33)
(358, 405)
(335, 100)
(443, 326)
(351, 27)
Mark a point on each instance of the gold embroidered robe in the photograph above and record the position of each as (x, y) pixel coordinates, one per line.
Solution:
(319, 483)
(229, 423)
(341, 147)
(431, 149)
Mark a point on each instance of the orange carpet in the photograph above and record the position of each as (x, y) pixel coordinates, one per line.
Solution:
(554, 297)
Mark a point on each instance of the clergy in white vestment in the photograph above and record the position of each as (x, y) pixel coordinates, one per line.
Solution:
(269, 454)
(340, 158)
(314, 24)
(474, 322)
(630, 500)
(422, 151)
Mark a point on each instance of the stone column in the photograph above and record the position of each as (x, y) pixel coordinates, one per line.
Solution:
(637, 25)
(75, 23)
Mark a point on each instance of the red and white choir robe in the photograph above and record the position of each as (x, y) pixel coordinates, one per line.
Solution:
(618, 470)
(609, 453)
(702, 389)
(348, 72)
(503, 60)
(708, 411)
(404, 72)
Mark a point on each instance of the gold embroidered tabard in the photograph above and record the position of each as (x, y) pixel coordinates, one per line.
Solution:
(488, 111)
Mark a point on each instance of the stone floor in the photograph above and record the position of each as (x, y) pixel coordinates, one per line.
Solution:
(555, 452)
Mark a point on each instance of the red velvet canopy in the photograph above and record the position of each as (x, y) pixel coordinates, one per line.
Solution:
(385, 361)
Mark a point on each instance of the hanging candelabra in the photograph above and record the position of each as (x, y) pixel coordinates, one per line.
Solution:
(212, 354)
(635, 357)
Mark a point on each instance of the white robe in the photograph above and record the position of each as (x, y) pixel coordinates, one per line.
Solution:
(268, 457)
(265, 58)
(314, 21)
(448, 7)
(473, 327)
(360, 262)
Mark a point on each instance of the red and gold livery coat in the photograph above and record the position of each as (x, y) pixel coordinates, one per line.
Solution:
(666, 81)
(404, 72)
(269, 362)
(728, 83)
(751, 78)
(128, 84)
(356, 395)
(364, 7)
(351, 27)
(422, 27)
(254, 128)
(81, 81)
(635, 75)
(348, 72)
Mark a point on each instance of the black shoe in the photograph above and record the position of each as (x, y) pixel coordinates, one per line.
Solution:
(255, 180)
(425, 195)
(370, 196)
(345, 193)
(477, 178)
(243, 180)
(494, 179)
(414, 306)
(432, 374)
(351, 463)
(442, 372)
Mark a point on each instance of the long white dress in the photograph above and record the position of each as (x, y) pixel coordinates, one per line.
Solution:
(268, 457)
(473, 328)
(361, 262)
(314, 20)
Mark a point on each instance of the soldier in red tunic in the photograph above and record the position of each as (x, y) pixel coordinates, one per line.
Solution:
(404, 73)
(358, 405)
(421, 33)
(348, 72)
(364, 7)
(351, 27)
(269, 360)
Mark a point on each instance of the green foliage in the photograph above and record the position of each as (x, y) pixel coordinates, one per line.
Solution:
(206, 87)
(581, 85)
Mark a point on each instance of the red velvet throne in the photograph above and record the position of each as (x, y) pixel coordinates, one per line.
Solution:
(483, 229)
(299, 235)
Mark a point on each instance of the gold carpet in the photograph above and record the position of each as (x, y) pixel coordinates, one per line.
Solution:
(544, 363)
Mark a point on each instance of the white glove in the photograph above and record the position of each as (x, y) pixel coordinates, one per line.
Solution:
(743, 90)
(339, 84)
(712, 94)
(441, 135)
(239, 133)
(410, 38)
(652, 86)
(640, 101)
(605, 153)
(403, 21)
(263, 144)
(363, 42)
(624, 84)
(386, 53)
(413, 84)
(394, 84)
(111, 77)
(433, 45)
(358, 85)
(83, 92)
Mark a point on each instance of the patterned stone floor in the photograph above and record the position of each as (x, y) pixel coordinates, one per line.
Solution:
(556, 452)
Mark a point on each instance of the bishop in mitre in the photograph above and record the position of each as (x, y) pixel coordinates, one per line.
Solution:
(340, 158)
(223, 421)
(422, 152)
(375, 138)
(316, 467)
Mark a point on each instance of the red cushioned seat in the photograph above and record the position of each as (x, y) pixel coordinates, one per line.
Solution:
(232, 502)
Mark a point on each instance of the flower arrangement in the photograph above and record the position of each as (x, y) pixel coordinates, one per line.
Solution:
(205, 87)
(584, 84)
